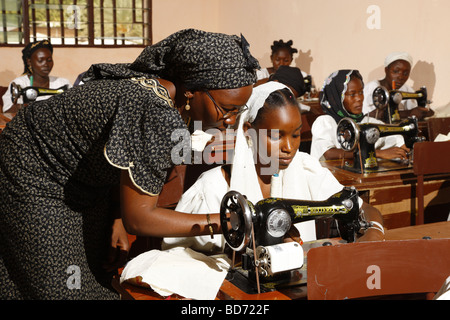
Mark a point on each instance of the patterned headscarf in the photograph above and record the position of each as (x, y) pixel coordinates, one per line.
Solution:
(28, 51)
(198, 59)
(333, 93)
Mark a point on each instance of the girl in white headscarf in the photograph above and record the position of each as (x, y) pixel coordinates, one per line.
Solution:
(266, 163)
(397, 68)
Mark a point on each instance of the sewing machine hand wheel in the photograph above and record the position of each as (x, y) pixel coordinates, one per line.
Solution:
(347, 134)
(236, 220)
(15, 92)
(380, 97)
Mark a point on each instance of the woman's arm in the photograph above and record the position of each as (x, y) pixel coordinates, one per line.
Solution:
(335, 153)
(142, 216)
(393, 153)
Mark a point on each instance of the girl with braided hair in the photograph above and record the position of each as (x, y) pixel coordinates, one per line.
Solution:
(282, 55)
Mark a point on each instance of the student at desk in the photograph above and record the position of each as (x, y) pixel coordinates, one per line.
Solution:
(38, 63)
(342, 96)
(64, 161)
(397, 67)
(282, 55)
(271, 126)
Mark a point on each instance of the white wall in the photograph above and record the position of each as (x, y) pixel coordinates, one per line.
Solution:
(333, 35)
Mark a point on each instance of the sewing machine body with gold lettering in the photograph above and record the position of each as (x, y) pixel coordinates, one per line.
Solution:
(390, 100)
(259, 231)
(30, 94)
(361, 138)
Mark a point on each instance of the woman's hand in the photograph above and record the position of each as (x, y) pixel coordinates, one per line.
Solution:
(371, 235)
(374, 233)
(293, 235)
(119, 247)
(393, 153)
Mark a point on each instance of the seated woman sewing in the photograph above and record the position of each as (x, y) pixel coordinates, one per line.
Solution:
(397, 67)
(342, 96)
(38, 63)
(270, 126)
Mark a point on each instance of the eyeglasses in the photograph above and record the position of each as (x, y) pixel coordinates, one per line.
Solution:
(227, 114)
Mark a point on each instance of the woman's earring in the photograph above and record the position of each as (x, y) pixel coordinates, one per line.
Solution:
(187, 107)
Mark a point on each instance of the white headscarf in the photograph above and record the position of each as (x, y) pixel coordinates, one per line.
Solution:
(244, 179)
(394, 56)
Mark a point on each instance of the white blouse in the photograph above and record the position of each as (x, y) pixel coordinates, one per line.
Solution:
(311, 180)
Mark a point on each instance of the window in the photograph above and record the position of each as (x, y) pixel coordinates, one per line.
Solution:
(76, 22)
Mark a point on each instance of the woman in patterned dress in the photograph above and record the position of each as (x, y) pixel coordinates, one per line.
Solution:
(62, 161)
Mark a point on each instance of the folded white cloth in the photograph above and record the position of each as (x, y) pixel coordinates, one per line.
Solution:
(199, 139)
(182, 271)
(442, 137)
(444, 292)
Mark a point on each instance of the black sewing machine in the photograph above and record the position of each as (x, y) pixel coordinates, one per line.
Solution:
(361, 137)
(258, 230)
(30, 94)
(308, 83)
(388, 101)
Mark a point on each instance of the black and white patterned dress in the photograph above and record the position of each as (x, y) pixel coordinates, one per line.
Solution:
(59, 161)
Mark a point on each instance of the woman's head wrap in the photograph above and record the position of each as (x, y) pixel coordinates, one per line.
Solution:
(198, 59)
(333, 93)
(257, 100)
(30, 48)
(394, 56)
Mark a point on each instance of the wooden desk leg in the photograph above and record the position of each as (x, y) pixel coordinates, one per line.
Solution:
(420, 200)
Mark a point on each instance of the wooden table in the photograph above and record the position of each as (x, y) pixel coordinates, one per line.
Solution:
(437, 230)
(229, 291)
(393, 192)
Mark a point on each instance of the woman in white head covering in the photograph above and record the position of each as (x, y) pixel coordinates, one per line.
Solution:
(397, 67)
(271, 123)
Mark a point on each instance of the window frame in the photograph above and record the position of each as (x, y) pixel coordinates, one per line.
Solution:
(28, 35)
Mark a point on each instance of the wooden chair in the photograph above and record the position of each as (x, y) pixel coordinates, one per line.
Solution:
(429, 158)
(437, 126)
(2, 92)
(378, 269)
